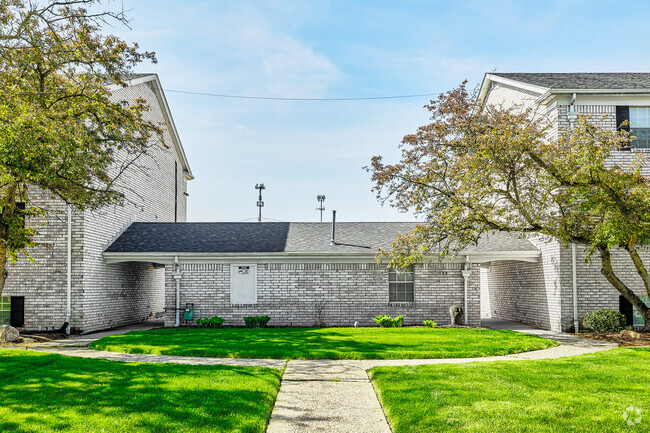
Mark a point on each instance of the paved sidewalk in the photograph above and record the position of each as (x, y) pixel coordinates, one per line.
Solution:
(82, 352)
(328, 395)
(337, 396)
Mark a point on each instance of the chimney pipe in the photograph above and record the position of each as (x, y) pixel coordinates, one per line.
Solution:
(333, 227)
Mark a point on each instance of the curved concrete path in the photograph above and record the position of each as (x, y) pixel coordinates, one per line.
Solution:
(327, 395)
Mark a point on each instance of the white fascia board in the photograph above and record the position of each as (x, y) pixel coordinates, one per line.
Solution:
(555, 94)
(304, 257)
(531, 256)
(515, 83)
(162, 101)
(172, 126)
(298, 257)
(485, 86)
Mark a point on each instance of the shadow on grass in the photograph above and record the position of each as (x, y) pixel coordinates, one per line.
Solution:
(47, 392)
(324, 343)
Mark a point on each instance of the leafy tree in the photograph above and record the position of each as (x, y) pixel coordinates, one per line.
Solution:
(60, 130)
(477, 169)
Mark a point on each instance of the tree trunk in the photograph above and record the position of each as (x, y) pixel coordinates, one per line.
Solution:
(8, 208)
(608, 272)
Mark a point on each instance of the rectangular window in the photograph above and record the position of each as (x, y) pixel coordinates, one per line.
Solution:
(5, 310)
(640, 127)
(401, 284)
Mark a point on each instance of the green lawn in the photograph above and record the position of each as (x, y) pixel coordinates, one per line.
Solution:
(325, 343)
(52, 393)
(587, 393)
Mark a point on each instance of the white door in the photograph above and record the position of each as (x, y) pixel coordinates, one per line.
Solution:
(243, 284)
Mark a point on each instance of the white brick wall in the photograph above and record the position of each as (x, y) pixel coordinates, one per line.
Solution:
(541, 294)
(103, 295)
(353, 292)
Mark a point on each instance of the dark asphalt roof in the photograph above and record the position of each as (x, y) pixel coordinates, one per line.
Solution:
(277, 237)
(600, 80)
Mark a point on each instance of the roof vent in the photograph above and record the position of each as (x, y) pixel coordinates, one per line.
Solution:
(333, 227)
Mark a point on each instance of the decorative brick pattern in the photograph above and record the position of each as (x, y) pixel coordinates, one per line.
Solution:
(290, 293)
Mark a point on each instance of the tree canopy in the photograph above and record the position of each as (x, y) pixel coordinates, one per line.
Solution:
(60, 130)
(476, 169)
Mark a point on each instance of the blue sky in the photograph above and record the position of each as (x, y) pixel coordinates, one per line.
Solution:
(342, 49)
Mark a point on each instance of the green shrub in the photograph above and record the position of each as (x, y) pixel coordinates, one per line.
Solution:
(430, 323)
(212, 322)
(256, 321)
(385, 321)
(604, 321)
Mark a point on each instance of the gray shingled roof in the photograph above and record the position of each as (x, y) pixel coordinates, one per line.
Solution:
(600, 80)
(279, 237)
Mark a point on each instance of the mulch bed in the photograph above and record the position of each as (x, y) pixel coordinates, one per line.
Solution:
(622, 338)
(34, 338)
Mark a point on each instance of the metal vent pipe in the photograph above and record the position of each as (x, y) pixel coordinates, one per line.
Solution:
(333, 227)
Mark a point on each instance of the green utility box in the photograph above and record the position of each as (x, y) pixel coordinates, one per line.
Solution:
(189, 312)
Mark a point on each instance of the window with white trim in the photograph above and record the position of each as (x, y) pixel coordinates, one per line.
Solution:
(401, 285)
(640, 127)
(5, 310)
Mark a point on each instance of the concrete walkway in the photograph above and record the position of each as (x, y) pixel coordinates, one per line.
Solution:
(77, 346)
(328, 395)
(337, 396)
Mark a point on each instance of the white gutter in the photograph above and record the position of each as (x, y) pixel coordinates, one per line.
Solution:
(576, 325)
(68, 308)
(466, 274)
(177, 274)
(302, 256)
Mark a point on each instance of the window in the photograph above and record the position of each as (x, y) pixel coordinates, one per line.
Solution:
(637, 319)
(640, 127)
(401, 284)
(5, 310)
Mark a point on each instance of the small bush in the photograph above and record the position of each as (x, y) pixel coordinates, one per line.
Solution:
(212, 322)
(385, 321)
(256, 321)
(430, 323)
(604, 321)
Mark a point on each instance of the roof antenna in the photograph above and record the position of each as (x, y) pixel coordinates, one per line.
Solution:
(321, 208)
(333, 227)
(260, 203)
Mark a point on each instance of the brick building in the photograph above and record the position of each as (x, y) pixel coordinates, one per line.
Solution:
(69, 282)
(295, 274)
(128, 263)
(542, 293)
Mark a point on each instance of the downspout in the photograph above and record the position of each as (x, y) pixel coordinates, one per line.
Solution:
(576, 325)
(571, 113)
(177, 274)
(466, 274)
(68, 308)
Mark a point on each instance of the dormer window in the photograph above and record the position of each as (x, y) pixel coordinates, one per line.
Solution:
(640, 127)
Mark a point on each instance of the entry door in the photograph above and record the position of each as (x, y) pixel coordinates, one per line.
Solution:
(243, 284)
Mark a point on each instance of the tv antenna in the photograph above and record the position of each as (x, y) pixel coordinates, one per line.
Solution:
(321, 207)
(260, 203)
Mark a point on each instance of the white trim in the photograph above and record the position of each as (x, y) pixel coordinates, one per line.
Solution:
(519, 84)
(531, 256)
(305, 257)
(162, 101)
